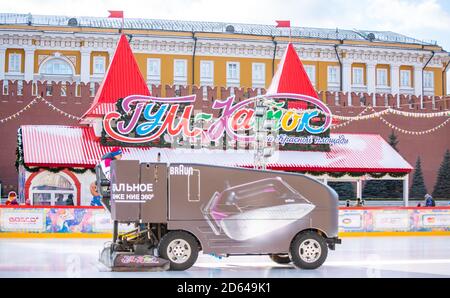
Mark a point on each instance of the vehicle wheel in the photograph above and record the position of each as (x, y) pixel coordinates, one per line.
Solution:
(180, 248)
(308, 250)
(280, 259)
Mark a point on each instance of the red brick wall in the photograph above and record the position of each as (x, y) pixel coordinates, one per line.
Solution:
(430, 147)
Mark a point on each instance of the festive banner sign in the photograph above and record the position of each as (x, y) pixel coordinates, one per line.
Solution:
(173, 116)
(93, 220)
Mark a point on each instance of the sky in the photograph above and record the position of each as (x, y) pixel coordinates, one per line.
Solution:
(421, 19)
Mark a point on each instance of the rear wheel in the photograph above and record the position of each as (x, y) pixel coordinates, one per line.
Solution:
(280, 259)
(308, 250)
(180, 248)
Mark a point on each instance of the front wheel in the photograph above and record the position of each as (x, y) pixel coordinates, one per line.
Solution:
(180, 248)
(308, 250)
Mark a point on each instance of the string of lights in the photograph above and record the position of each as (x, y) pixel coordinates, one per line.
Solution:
(416, 133)
(17, 114)
(336, 126)
(70, 116)
(33, 102)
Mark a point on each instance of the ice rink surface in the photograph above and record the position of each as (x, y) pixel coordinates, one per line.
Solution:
(356, 257)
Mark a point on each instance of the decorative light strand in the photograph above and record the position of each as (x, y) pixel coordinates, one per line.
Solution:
(35, 101)
(70, 116)
(415, 133)
(336, 126)
(17, 114)
(375, 114)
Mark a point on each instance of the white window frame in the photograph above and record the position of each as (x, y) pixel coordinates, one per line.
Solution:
(233, 81)
(97, 70)
(53, 193)
(180, 77)
(381, 71)
(15, 63)
(258, 75)
(403, 75)
(53, 61)
(356, 80)
(333, 80)
(311, 72)
(205, 78)
(153, 71)
(428, 80)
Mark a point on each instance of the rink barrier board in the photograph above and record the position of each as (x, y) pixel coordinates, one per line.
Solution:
(95, 222)
(25, 235)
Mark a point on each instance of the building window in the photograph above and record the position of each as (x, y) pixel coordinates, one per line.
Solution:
(206, 73)
(382, 77)
(358, 76)
(99, 65)
(154, 71)
(77, 90)
(63, 89)
(333, 75)
(180, 72)
(52, 189)
(405, 78)
(259, 75)
(233, 74)
(311, 72)
(20, 87)
(14, 64)
(56, 67)
(92, 88)
(34, 89)
(428, 80)
(49, 89)
(5, 87)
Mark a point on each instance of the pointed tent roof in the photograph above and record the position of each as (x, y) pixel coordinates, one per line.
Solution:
(122, 79)
(291, 76)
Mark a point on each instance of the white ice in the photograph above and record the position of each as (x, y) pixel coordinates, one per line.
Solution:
(356, 257)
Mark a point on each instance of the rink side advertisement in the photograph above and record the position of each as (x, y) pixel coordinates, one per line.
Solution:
(96, 220)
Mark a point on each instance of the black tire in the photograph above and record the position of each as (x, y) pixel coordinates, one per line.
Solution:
(190, 244)
(315, 248)
(281, 259)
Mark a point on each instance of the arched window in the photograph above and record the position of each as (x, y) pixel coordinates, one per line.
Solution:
(56, 66)
(52, 189)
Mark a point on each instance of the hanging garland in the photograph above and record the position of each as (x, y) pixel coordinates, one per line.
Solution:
(356, 174)
(33, 102)
(336, 174)
(17, 114)
(398, 175)
(417, 133)
(70, 116)
(377, 175)
(352, 174)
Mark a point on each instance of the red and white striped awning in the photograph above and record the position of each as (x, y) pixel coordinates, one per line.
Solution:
(64, 146)
(60, 146)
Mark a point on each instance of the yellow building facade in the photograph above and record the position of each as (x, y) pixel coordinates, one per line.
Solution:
(235, 55)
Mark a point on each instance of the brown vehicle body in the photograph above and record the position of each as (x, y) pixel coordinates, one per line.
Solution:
(230, 211)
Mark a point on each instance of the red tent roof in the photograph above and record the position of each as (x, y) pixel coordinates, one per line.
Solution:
(122, 79)
(291, 76)
(70, 146)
